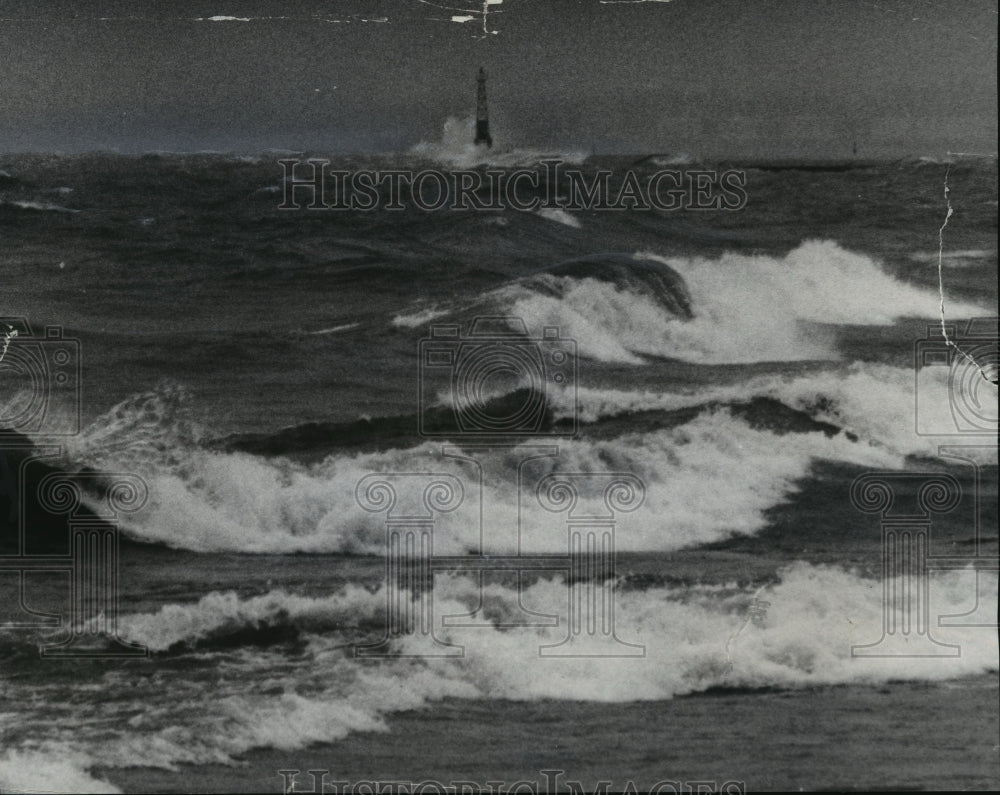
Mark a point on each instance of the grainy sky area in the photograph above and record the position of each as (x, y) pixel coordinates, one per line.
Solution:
(710, 77)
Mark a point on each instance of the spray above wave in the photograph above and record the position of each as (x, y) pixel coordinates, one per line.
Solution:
(602, 301)
(457, 149)
(148, 429)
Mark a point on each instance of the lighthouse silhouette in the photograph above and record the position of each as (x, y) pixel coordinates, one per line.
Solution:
(482, 112)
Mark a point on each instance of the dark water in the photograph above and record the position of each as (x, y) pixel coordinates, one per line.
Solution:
(253, 365)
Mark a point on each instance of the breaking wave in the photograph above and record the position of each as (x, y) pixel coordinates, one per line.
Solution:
(713, 461)
(457, 150)
(745, 308)
(796, 632)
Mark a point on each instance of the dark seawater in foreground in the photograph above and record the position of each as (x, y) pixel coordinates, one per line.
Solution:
(253, 365)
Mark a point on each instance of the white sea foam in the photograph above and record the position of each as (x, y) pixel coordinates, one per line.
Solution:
(560, 217)
(706, 479)
(797, 632)
(217, 612)
(457, 150)
(696, 636)
(883, 405)
(709, 477)
(418, 317)
(747, 308)
(55, 770)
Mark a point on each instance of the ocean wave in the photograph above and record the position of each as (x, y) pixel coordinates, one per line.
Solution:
(457, 150)
(711, 477)
(223, 620)
(745, 308)
(878, 404)
(796, 632)
(714, 461)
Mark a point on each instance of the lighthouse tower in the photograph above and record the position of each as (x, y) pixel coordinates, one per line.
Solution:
(482, 112)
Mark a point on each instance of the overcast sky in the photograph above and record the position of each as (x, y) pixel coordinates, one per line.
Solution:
(711, 77)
